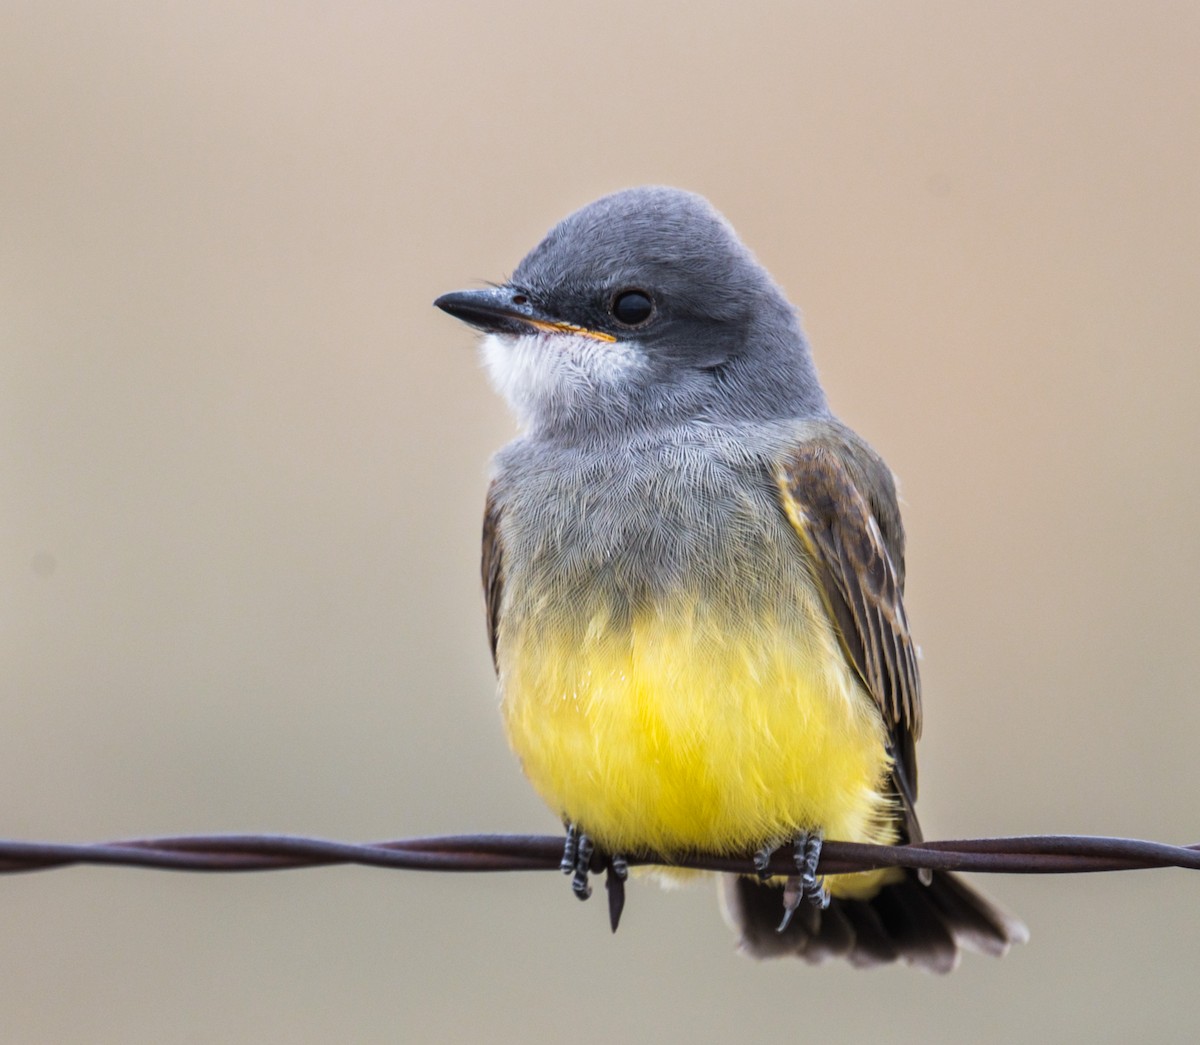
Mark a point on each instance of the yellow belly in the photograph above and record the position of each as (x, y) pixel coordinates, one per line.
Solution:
(682, 731)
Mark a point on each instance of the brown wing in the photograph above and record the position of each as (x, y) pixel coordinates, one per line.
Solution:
(493, 568)
(835, 493)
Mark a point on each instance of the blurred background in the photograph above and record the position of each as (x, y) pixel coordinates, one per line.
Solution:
(242, 466)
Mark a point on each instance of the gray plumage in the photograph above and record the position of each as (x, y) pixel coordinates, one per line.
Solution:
(724, 345)
(689, 504)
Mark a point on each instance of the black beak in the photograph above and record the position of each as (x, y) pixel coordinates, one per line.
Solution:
(504, 310)
(497, 310)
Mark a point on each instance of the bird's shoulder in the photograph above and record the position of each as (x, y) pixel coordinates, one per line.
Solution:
(828, 466)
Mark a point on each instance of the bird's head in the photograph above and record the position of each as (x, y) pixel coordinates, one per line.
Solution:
(641, 309)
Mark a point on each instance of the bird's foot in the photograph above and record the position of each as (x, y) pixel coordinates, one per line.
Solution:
(762, 862)
(580, 858)
(577, 861)
(805, 886)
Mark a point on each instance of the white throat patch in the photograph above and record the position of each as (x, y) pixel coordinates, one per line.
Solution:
(542, 373)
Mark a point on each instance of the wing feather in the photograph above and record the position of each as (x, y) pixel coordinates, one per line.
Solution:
(492, 569)
(834, 494)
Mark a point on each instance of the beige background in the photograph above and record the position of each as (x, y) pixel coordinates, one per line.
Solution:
(242, 462)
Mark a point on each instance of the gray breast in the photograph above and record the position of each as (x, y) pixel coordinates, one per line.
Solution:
(689, 510)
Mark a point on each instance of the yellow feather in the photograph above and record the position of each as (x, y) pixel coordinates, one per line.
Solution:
(687, 730)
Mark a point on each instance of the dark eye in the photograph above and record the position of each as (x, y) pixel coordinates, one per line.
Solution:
(632, 307)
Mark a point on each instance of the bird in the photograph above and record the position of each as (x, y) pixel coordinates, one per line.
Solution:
(693, 575)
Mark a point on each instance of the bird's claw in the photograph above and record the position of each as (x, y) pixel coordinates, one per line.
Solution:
(570, 850)
(579, 860)
(762, 861)
(805, 886)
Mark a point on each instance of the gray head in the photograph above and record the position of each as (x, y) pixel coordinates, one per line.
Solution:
(640, 310)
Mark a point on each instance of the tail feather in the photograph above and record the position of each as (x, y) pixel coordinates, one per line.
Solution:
(873, 943)
(909, 921)
(912, 919)
(977, 923)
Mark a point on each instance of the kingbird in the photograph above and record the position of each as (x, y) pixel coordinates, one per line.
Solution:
(694, 578)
